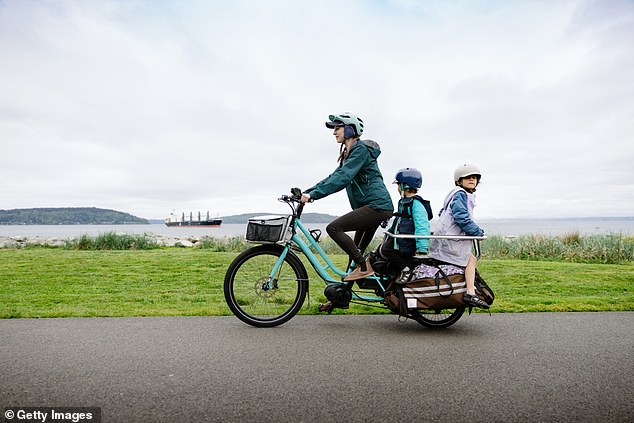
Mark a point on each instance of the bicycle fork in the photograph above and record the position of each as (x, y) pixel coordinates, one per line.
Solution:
(271, 281)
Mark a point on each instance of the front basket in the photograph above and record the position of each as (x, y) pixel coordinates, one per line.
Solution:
(268, 229)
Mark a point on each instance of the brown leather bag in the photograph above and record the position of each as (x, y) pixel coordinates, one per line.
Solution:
(392, 299)
(440, 292)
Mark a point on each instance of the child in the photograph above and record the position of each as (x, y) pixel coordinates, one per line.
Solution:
(412, 218)
(456, 218)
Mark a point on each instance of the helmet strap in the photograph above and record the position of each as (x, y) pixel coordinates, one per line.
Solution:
(402, 186)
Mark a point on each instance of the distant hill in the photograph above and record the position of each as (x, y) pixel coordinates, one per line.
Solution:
(306, 217)
(68, 216)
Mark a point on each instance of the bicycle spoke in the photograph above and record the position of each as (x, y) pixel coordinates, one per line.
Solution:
(257, 298)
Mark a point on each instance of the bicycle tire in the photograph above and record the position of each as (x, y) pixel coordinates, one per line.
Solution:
(437, 319)
(254, 301)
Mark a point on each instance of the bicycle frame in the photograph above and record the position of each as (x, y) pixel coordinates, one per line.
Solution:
(302, 238)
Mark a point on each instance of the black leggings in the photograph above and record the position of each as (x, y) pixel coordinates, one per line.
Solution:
(364, 221)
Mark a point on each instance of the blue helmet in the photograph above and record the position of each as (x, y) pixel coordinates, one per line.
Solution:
(409, 177)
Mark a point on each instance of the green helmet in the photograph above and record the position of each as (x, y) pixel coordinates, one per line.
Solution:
(346, 119)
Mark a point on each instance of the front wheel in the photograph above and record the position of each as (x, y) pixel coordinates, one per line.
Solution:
(437, 319)
(257, 298)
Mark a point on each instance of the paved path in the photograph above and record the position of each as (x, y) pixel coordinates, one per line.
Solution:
(562, 367)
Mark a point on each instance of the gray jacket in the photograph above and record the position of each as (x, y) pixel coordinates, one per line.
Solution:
(450, 250)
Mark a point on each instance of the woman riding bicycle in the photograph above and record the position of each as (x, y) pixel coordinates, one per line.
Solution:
(358, 172)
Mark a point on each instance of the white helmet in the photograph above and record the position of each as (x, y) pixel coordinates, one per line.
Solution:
(466, 170)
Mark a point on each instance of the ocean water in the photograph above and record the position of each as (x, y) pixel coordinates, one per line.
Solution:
(503, 227)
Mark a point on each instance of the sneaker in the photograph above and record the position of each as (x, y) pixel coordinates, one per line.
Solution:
(358, 273)
(474, 300)
(406, 275)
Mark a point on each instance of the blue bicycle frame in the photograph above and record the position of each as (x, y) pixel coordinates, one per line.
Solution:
(324, 267)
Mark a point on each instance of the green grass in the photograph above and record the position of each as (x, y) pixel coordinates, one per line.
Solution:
(523, 286)
(45, 282)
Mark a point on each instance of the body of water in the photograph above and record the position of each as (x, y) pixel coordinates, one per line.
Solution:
(504, 227)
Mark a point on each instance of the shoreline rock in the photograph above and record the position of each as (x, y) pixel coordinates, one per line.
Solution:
(20, 241)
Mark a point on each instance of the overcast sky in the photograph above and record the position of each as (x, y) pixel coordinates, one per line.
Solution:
(147, 106)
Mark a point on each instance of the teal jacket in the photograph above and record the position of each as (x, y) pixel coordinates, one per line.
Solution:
(412, 218)
(359, 174)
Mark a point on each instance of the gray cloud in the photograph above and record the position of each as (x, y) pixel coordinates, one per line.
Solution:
(147, 107)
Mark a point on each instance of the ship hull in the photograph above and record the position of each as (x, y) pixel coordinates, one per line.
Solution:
(196, 223)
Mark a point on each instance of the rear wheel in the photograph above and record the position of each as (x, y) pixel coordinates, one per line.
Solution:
(256, 298)
(437, 318)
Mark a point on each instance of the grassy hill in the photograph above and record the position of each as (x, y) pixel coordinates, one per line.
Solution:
(67, 216)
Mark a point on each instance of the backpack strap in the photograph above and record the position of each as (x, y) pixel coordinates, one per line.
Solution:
(446, 279)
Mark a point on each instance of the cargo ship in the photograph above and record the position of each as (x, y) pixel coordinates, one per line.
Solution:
(174, 220)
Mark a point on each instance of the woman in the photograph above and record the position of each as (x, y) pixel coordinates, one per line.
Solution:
(358, 172)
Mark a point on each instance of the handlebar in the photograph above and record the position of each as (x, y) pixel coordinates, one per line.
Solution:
(294, 201)
(295, 197)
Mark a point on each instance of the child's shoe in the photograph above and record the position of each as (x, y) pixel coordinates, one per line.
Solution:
(474, 300)
(406, 275)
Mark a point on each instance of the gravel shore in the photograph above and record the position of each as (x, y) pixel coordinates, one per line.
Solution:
(29, 241)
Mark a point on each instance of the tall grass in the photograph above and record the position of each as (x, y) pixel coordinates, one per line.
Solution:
(113, 241)
(572, 247)
(608, 249)
(224, 245)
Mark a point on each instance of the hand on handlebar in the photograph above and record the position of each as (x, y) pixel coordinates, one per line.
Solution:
(306, 199)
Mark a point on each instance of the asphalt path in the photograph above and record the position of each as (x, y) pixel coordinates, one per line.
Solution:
(542, 367)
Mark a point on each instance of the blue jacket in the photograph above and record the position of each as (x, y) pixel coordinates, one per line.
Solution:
(461, 216)
(359, 174)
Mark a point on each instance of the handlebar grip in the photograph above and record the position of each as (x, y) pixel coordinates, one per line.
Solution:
(289, 198)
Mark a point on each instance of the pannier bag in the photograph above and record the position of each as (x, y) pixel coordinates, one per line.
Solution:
(483, 290)
(269, 229)
(434, 287)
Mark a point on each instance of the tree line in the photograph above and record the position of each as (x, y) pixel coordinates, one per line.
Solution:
(67, 216)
